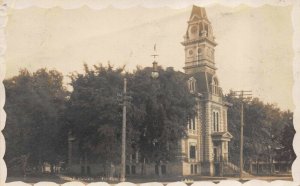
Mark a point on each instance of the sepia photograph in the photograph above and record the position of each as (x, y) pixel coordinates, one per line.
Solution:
(165, 92)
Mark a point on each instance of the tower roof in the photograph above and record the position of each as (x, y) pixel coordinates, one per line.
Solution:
(199, 12)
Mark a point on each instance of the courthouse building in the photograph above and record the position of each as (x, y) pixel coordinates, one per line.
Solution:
(204, 151)
(207, 142)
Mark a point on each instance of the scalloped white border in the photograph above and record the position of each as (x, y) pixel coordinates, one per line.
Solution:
(100, 4)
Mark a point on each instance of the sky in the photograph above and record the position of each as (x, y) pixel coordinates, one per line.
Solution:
(254, 50)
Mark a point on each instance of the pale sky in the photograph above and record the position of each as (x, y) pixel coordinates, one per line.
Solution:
(254, 49)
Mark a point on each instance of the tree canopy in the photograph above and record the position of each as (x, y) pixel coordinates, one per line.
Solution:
(41, 113)
(156, 116)
(267, 130)
(35, 103)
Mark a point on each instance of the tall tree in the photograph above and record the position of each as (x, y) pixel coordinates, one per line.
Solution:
(160, 111)
(34, 103)
(265, 125)
(285, 151)
(156, 116)
(93, 112)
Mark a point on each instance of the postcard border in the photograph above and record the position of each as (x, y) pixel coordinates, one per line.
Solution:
(6, 5)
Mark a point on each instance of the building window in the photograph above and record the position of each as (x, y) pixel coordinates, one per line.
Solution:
(192, 84)
(133, 157)
(206, 28)
(156, 169)
(191, 123)
(194, 169)
(215, 121)
(192, 151)
(215, 86)
(163, 170)
(132, 169)
(201, 26)
(88, 170)
(127, 169)
(82, 170)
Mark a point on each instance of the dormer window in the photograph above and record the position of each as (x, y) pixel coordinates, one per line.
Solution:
(215, 86)
(192, 85)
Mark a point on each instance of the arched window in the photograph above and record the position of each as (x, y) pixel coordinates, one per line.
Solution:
(192, 85)
(214, 85)
(194, 124)
(215, 122)
(189, 123)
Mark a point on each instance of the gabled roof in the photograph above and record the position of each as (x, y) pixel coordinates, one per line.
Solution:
(221, 136)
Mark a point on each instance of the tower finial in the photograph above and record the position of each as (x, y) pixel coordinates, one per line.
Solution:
(154, 73)
(155, 52)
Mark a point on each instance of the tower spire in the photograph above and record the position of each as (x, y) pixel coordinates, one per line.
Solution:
(198, 11)
(199, 43)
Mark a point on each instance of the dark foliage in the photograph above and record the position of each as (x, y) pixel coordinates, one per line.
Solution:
(268, 131)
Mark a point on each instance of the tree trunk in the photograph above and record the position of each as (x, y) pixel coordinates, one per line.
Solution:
(144, 167)
(257, 168)
(250, 166)
(158, 169)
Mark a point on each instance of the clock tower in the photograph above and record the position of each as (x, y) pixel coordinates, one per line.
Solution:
(208, 134)
(199, 43)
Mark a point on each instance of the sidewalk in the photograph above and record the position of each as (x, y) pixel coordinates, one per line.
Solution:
(165, 180)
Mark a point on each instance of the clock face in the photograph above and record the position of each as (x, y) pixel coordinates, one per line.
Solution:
(194, 29)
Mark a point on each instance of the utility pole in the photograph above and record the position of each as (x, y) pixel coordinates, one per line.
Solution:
(243, 94)
(123, 156)
(70, 143)
(125, 99)
(242, 141)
